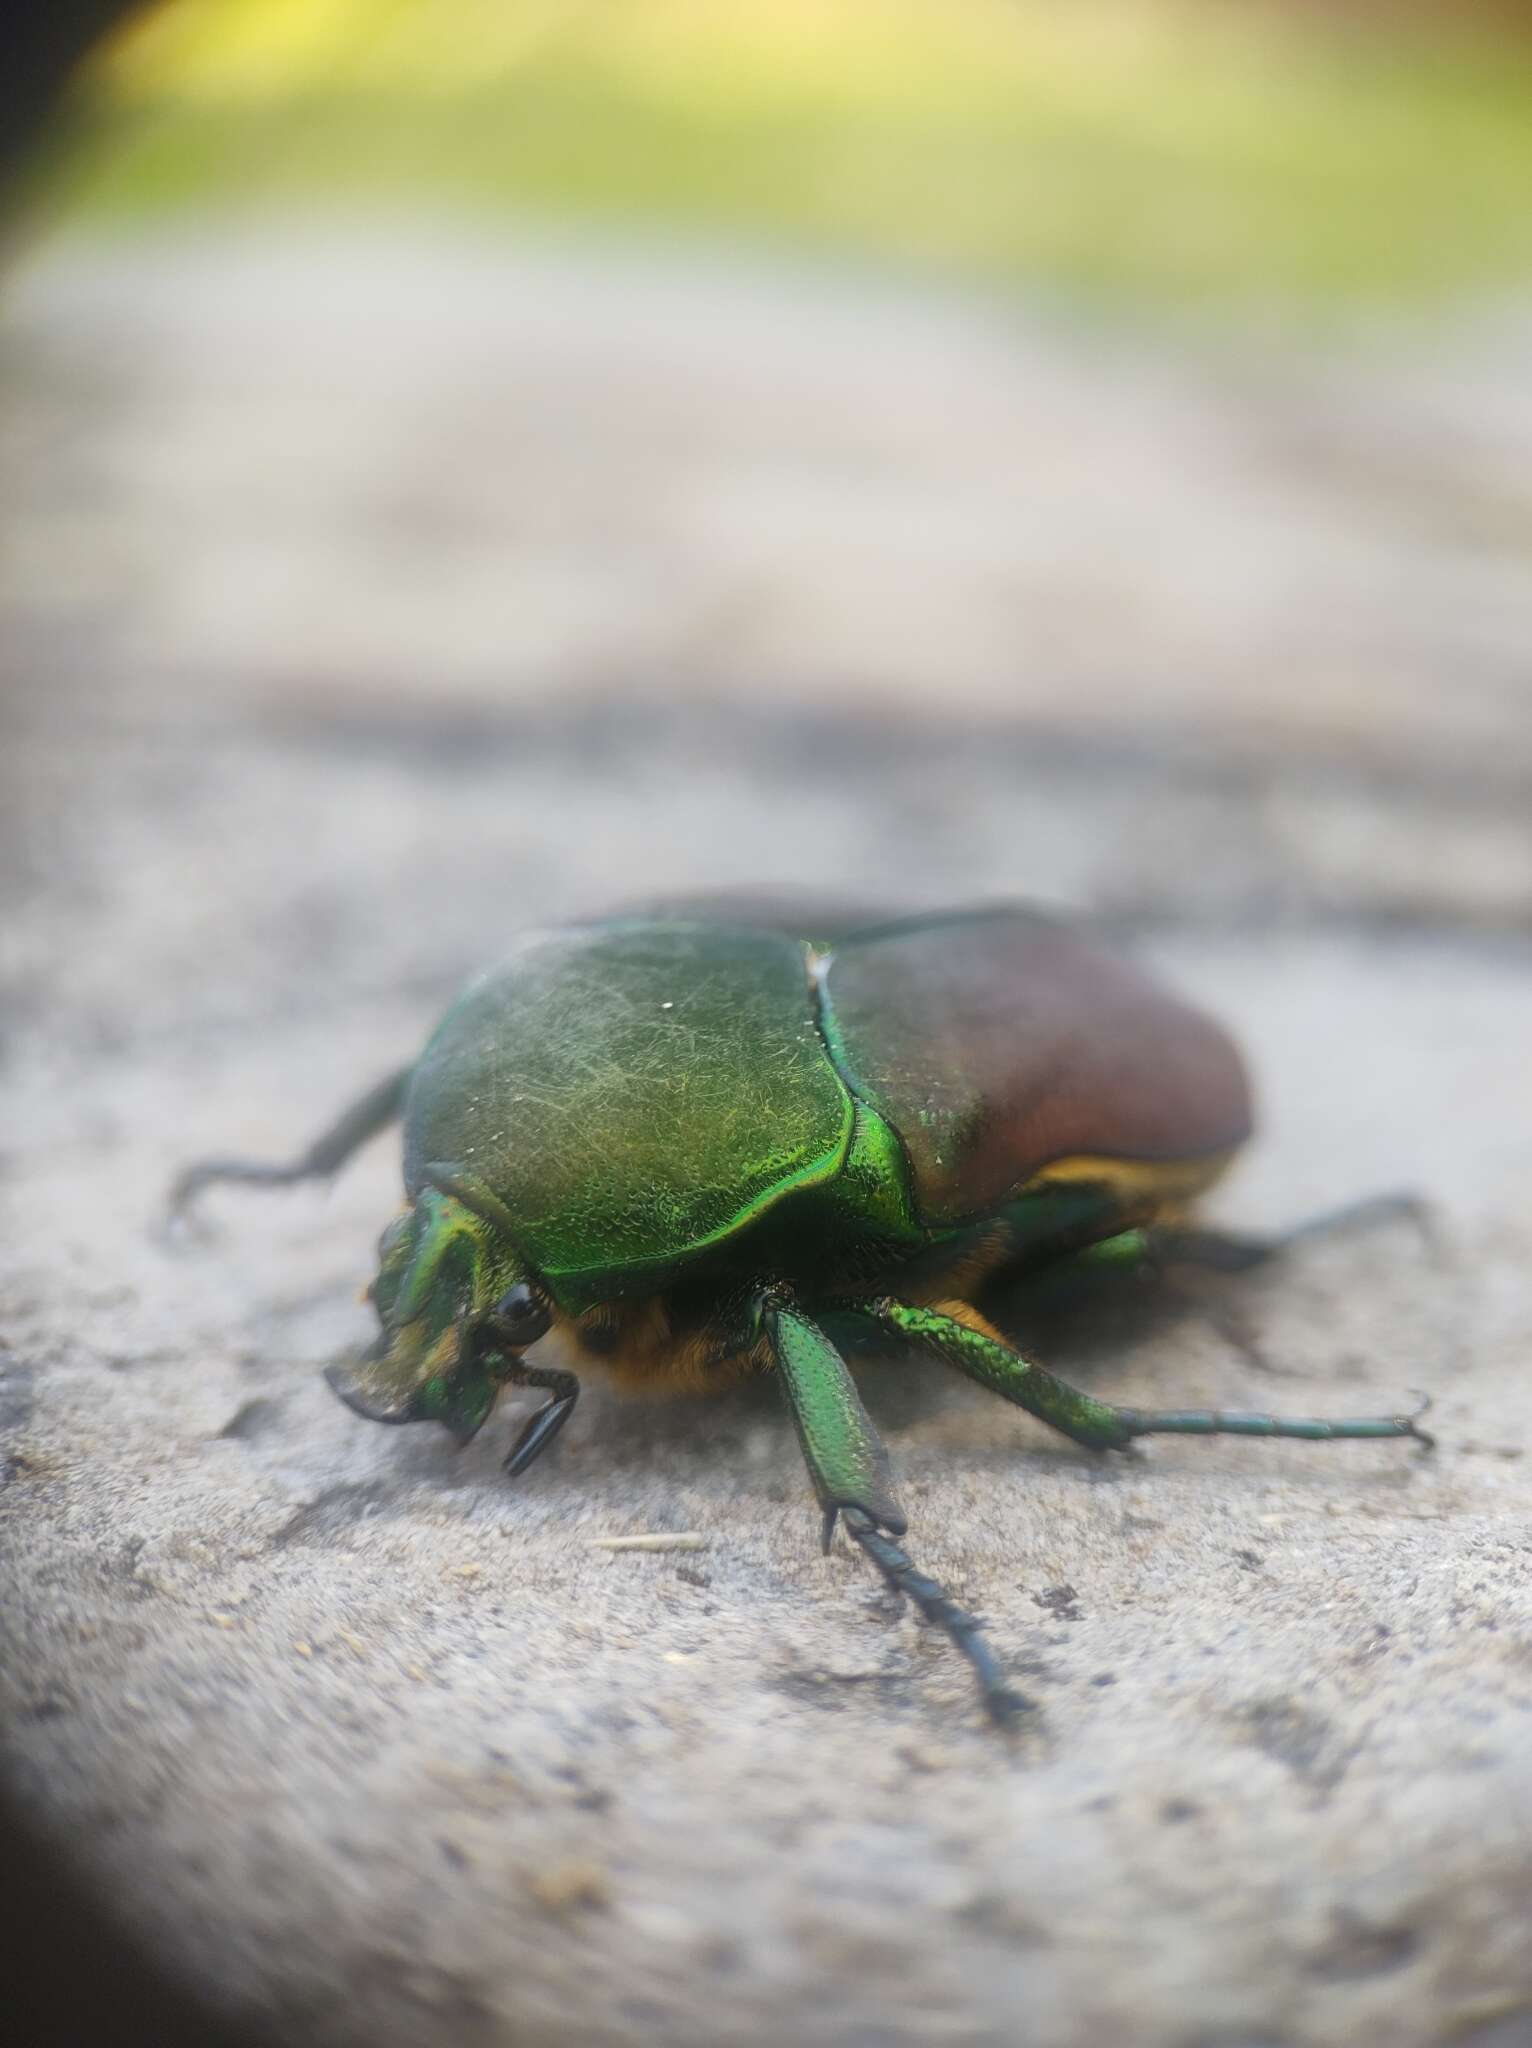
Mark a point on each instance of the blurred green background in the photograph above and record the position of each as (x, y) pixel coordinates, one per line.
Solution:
(1281, 163)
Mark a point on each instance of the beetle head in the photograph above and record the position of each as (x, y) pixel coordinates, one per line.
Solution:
(444, 1272)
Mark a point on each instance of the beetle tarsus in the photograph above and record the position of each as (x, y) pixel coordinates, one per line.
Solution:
(1314, 1429)
(827, 1530)
(537, 1433)
(209, 1172)
(1230, 1252)
(962, 1629)
(1399, 1205)
(543, 1424)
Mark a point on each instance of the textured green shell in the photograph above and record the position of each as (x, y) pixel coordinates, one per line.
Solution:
(998, 1042)
(631, 1094)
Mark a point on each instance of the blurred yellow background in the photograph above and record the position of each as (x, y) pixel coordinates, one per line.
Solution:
(1280, 162)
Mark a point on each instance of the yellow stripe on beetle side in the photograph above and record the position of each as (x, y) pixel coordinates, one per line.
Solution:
(1157, 1183)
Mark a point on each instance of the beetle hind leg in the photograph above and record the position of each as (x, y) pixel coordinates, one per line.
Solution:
(1152, 1247)
(1235, 1252)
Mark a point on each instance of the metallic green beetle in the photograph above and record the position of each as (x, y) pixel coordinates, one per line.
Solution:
(723, 1136)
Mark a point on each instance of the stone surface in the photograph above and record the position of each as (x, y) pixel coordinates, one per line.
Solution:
(365, 598)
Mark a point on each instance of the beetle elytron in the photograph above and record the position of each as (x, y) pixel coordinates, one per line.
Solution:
(723, 1136)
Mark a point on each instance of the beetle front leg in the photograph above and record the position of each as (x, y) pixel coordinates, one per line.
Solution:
(1101, 1426)
(543, 1424)
(373, 1112)
(852, 1478)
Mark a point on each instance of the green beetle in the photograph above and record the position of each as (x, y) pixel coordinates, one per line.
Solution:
(719, 1137)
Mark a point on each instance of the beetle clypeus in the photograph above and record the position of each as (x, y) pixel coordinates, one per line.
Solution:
(729, 1136)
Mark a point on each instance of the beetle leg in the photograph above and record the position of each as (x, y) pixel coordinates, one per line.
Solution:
(1318, 1429)
(851, 1475)
(845, 1457)
(374, 1112)
(977, 1351)
(1226, 1251)
(1152, 1245)
(1233, 1252)
(960, 1627)
(543, 1424)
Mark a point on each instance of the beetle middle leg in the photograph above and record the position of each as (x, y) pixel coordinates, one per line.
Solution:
(1100, 1425)
(850, 1471)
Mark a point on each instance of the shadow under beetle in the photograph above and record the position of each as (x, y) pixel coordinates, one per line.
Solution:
(725, 1136)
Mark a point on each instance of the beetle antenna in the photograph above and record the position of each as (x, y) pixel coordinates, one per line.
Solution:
(960, 1627)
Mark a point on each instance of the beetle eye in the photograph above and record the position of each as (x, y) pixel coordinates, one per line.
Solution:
(522, 1313)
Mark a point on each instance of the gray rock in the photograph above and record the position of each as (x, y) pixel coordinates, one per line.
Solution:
(367, 599)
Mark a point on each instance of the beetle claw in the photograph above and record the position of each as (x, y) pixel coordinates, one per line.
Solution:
(827, 1530)
(180, 1229)
(1423, 1406)
(537, 1432)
